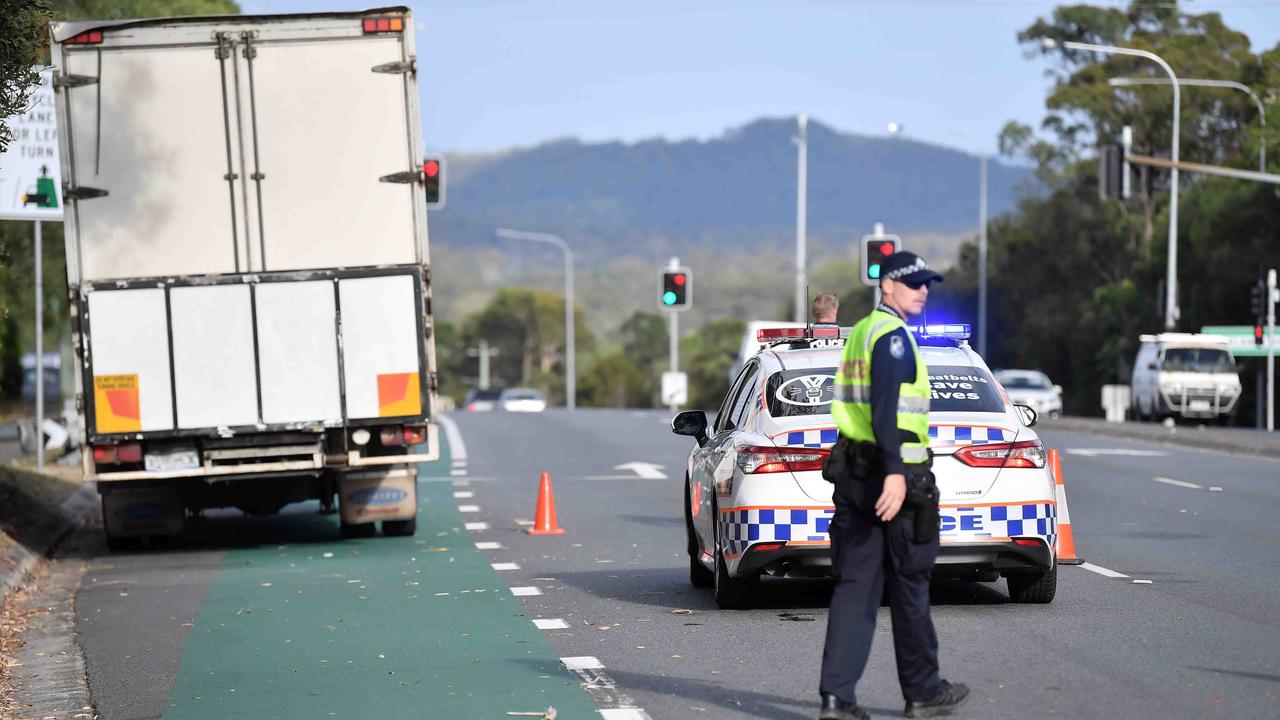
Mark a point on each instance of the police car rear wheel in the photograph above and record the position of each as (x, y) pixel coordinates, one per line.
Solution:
(732, 593)
(1033, 588)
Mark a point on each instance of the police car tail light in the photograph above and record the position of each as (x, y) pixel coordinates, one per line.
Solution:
(760, 460)
(1025, 454)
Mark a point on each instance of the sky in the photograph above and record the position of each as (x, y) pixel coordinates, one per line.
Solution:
(497, 74)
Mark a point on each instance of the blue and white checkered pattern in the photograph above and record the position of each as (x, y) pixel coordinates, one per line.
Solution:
(813, 438)
(949, 435)
(1015, 520)
(741, 528)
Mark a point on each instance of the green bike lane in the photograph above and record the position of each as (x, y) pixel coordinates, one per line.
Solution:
(419, 627)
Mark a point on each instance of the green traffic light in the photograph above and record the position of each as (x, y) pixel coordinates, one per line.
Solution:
(668, 298)
(873, 271)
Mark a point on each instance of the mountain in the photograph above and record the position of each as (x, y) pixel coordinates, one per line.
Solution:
(732, 191)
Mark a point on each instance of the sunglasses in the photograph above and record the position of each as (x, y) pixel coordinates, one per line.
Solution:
(915, 285)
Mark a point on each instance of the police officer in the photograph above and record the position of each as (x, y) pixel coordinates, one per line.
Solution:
(882, 409)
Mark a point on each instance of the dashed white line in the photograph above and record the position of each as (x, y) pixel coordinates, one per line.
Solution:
(613, 704)
(550, 624)
(1214, 488)
(1178, 483)
(505, 566)
(460, 463)
(477, 526)
(585, 662)
(457, 473)
(525, 591)
(1102, 571)
(468, 508)
(1141, 582)
(624, 714)
(488, 545)
(464, 494)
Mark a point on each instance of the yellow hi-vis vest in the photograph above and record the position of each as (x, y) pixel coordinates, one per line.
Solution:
(851, 406)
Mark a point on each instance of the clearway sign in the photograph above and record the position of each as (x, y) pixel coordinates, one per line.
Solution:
(30, 176)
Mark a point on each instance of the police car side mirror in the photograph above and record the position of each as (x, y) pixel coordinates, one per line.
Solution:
(692, 423)
(1029, 415)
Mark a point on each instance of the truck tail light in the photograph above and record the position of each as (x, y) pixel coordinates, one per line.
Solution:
(383, 24)
(88, 37)
(1025, 454)
(117, 454)
(760, 460)
(414, 434)
(389, 436)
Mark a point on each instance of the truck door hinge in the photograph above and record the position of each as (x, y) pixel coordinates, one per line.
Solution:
(82, 192)
(67, 80)
(409, 176)
(397, 68)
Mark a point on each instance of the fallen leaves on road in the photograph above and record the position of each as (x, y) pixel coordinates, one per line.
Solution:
(548, 714)
(681, 611)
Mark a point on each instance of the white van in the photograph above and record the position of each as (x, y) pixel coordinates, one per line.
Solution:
(1184, 374)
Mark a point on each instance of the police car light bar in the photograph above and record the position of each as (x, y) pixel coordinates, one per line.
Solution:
(955, 331)
(768, 335)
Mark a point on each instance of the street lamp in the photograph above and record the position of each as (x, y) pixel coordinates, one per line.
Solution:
(1185, 82)
(570, 366)
(1171, 311)
(802, 176)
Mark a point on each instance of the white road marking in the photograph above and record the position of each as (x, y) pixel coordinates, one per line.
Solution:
(488, 545)
(1102, 571)
(1141, 582)
(457, 448)
(1178, 483)
(464, 494)
(550, 624)
(477, 526)
(1131, 452)
(505, 566)
(457, 473)
(460, 463)
(644, 470)
(624, 714)
(468, 508)
(585, 662)
(1214, 488)
(525, 591)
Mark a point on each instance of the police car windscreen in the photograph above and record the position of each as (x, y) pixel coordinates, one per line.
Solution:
(791, 393)
(963, 388)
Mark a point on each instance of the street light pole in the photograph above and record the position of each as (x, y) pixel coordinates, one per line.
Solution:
(802, 196)
(1200, 82)
(1171, 310)
(570, 349)
(982, 256)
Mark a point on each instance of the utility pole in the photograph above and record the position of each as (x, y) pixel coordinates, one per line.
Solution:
(802, 191)
(570, 332)
(673, 328)
(1271, 350)
(484, 352)
(982, 256)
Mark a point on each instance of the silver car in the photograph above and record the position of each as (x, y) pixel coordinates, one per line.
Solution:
(1032, 388)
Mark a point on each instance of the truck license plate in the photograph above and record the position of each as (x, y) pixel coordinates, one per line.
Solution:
(1199, 405)
(172, 460)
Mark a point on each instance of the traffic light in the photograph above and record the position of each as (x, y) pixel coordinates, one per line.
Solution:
(433, 181)
(1111, 169)
(1258, 306)
(874, 251)
(674, 293)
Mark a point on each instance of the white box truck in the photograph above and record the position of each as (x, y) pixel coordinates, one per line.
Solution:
(247, 260)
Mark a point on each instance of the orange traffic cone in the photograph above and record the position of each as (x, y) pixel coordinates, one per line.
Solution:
(1066, 540)
(545, 522)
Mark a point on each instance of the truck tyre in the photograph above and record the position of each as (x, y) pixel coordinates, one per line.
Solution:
(397, 528)
(1034, 588)
(363, 530)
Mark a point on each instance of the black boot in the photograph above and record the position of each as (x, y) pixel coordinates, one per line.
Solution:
(946, 698)
(833, 708)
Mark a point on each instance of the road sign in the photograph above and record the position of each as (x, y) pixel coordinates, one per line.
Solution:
(30, 176)
(675, 388)
(1241, 340)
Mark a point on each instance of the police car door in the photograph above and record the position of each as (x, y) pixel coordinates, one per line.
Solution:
(720, 460)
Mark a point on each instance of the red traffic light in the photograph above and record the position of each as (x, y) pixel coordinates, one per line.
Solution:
(887, 249)
(431, 168)
(678, 279)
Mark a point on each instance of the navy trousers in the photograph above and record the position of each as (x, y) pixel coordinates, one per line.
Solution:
(869, 557)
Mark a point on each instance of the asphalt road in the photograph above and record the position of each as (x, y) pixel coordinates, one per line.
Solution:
(1175, 616)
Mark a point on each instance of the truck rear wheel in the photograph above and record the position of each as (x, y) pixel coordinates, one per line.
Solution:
(362, 530)
(393, 528)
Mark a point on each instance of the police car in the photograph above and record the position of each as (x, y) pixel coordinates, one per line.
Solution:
(756, 503)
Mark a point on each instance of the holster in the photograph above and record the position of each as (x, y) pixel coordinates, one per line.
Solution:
(922, 502)
(849, 460)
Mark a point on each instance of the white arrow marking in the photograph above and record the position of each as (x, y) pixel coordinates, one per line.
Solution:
(646, 471)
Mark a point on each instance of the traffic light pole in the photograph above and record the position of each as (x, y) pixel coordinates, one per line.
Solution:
(39, 434)
(802, 177)
(1271, 350)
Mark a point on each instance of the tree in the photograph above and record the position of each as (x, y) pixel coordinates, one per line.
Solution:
(707, 356)
(22, 34)
(123, 9)
(615, 381)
